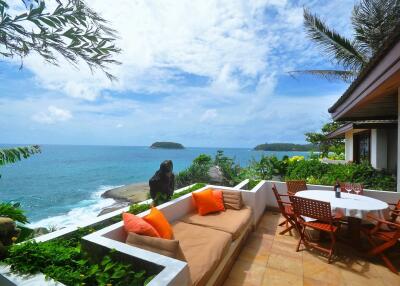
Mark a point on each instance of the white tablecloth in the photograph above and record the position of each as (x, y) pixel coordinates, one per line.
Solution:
(350, 205)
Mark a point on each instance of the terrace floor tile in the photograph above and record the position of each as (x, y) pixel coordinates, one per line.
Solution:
(268, 258)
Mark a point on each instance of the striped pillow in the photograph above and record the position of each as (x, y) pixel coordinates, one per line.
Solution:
(232, 199)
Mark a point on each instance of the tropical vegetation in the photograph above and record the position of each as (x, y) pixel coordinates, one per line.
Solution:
(313, 170)
(373, 22)
(72, 30)
(285, 147)
(10, 156)
(327, 146)
(64, 260)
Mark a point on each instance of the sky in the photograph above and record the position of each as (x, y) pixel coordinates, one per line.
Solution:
(199, 72)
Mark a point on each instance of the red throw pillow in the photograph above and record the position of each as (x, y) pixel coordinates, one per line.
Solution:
(205, 202)
(160, 223)
(220, 199)
(138, 225)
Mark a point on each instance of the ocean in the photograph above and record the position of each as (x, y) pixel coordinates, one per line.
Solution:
(63, 185)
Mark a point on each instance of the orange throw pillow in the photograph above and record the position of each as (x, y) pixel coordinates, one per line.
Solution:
(220, 199)
(205, 202)
(138, 225)
(160, 223)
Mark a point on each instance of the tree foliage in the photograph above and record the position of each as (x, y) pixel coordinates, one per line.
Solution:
(13, 211)
(72, 30)
(373, 21)
(12, 155)
(325, 144)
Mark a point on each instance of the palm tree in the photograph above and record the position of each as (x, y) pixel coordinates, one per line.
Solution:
(373, 22)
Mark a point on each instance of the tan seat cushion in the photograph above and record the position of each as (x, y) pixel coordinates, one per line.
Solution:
(167, 247)
(230, 221)
(203, 248)
(232, 199)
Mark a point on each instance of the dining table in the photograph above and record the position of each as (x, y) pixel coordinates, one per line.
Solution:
(355, 208)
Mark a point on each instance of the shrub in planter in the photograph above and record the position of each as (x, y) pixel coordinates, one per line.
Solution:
(316, 172)
(63, 260)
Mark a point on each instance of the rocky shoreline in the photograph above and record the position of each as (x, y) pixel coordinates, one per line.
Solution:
(125, 195)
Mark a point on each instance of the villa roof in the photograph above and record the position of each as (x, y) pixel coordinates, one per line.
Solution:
(360, 125)
(389, 44)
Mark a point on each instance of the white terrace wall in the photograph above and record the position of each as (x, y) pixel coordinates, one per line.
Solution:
(256, 198)
(9, 279)
(174, 271)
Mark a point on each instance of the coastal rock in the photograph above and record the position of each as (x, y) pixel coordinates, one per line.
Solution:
(215, 174)
(8, 231)
(163, 181)
(114, 207)
(40, 231)
(132, 193)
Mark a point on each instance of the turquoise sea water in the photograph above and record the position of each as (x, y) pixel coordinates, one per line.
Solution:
(63, 184)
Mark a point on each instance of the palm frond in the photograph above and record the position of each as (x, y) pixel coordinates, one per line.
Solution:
(347, 76)
(337, 48)
(12, 155)
(374, 21)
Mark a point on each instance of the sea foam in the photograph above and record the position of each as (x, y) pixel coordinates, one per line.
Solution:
(84, 211)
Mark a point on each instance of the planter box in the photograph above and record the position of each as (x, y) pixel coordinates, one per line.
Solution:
(151, 266)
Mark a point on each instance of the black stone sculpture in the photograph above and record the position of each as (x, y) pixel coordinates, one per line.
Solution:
(162, 184)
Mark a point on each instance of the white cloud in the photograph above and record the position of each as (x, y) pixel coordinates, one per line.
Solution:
(208, 115)
(238, 50)
(52, 115)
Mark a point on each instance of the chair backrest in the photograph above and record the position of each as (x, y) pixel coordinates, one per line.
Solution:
(312, 208)
(294, 186)
(278, 199)
(396, 213)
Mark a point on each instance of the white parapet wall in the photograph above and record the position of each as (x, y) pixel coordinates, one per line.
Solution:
(174, 272)
(7, 278)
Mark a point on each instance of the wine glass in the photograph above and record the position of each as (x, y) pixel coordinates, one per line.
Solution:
(357, 189)
(348, 187)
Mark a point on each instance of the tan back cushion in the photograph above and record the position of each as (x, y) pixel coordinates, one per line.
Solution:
(166, 247)
(232, 199)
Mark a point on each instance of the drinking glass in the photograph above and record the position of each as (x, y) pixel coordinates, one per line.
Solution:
(348, 187)
(357, 189)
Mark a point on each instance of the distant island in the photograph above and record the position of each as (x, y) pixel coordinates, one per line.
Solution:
(284, 147)
(166, 145)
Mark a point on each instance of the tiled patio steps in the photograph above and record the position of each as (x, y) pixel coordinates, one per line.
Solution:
(271, 259)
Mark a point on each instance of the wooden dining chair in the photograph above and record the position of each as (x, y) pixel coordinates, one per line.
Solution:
(382, 239)
(353, 186)
(294, 186)
(323, 221)
(286, 210)
(394, 212)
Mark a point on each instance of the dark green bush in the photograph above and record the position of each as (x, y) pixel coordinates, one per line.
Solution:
(197, 172)
(252, 184)
(316, 172)
(63, 260)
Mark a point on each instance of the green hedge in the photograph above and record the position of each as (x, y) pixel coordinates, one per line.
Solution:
(316, 172)
(63, 260)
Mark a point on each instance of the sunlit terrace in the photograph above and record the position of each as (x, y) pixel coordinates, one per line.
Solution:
(268, 258)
